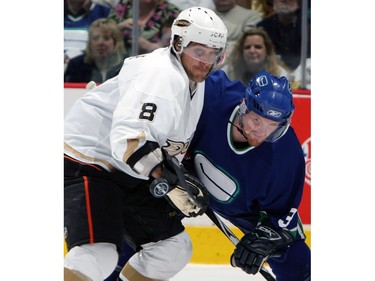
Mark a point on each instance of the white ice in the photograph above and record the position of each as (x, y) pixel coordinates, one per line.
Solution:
(203, 272)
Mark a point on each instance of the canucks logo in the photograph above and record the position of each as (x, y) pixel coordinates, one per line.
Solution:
(262, 81)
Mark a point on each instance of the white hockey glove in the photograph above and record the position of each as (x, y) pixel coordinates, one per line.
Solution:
(183, 191)
(182, 201)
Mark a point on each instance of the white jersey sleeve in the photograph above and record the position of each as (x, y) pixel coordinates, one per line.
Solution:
(148, 101)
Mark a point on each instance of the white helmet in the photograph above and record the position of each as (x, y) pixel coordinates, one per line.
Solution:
(200, 25)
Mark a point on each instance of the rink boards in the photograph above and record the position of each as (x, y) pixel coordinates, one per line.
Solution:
(210, 246)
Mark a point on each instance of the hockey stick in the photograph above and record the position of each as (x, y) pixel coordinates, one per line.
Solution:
(172, 161)
(234, 239)
(159, 187)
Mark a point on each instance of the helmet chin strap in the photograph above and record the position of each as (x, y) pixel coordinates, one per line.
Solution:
(240, 114)
(177, 53)
(240, 128)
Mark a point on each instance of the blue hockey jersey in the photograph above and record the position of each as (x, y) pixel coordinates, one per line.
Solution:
(244, 181)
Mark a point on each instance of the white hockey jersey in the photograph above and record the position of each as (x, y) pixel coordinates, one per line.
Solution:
(149, 100)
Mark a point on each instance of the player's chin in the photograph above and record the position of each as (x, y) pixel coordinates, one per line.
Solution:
(200, 75)
(196, 78)
(200, 79)
(254, 143)
(254, 140)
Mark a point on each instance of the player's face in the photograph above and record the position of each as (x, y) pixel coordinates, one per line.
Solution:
(257, 128)
(198, 60)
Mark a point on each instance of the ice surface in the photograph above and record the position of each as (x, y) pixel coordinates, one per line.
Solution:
(203, 272)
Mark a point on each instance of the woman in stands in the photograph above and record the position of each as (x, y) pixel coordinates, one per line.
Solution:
(103, 56)
(253, 52)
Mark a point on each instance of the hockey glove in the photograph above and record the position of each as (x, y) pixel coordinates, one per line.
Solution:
(182, 201)
(183, 191)
(256, 247)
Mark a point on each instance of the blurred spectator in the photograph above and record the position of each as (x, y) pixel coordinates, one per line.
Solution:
(78, 15)
(81, 13)
(284, 28)
(75, 42)
(107, 3)
(184, 4)
(103, 56)
(253, 53)
(263, 7)
(235, 17)
(153, 16)
(166, 33)
(296, 76)
(244, 3)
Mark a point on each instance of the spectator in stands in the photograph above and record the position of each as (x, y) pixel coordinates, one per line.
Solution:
(253, 53)
(263, 7)
(153, 16)
(244, 3)
(296, 76)
(103, 56)
(107, 3)
(166, 33)
(81, 13)
(184, 4)
(235, 17)
(284, 28)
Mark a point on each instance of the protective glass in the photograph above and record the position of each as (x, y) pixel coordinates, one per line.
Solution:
(273, 130)
(204, 54)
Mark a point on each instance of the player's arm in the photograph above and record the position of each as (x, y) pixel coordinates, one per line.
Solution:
(185, 192)
(146, 159)
(256, 247)
(271, 238)
(141, 120)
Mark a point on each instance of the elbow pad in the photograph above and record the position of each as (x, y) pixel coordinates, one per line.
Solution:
(144, 160)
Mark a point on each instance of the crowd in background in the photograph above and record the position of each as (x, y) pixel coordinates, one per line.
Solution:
(272, 35)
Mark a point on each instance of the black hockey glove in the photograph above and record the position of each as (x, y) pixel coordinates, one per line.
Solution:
(183, 191)
(255, 248)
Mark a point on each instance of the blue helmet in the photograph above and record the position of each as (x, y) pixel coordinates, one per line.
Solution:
(271, 97)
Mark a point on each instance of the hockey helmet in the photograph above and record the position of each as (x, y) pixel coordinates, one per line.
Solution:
(200, 25)
(270, 97)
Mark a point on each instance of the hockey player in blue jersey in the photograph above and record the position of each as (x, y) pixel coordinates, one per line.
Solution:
(252, 164)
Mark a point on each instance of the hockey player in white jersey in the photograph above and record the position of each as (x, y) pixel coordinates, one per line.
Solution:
(116, 140)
